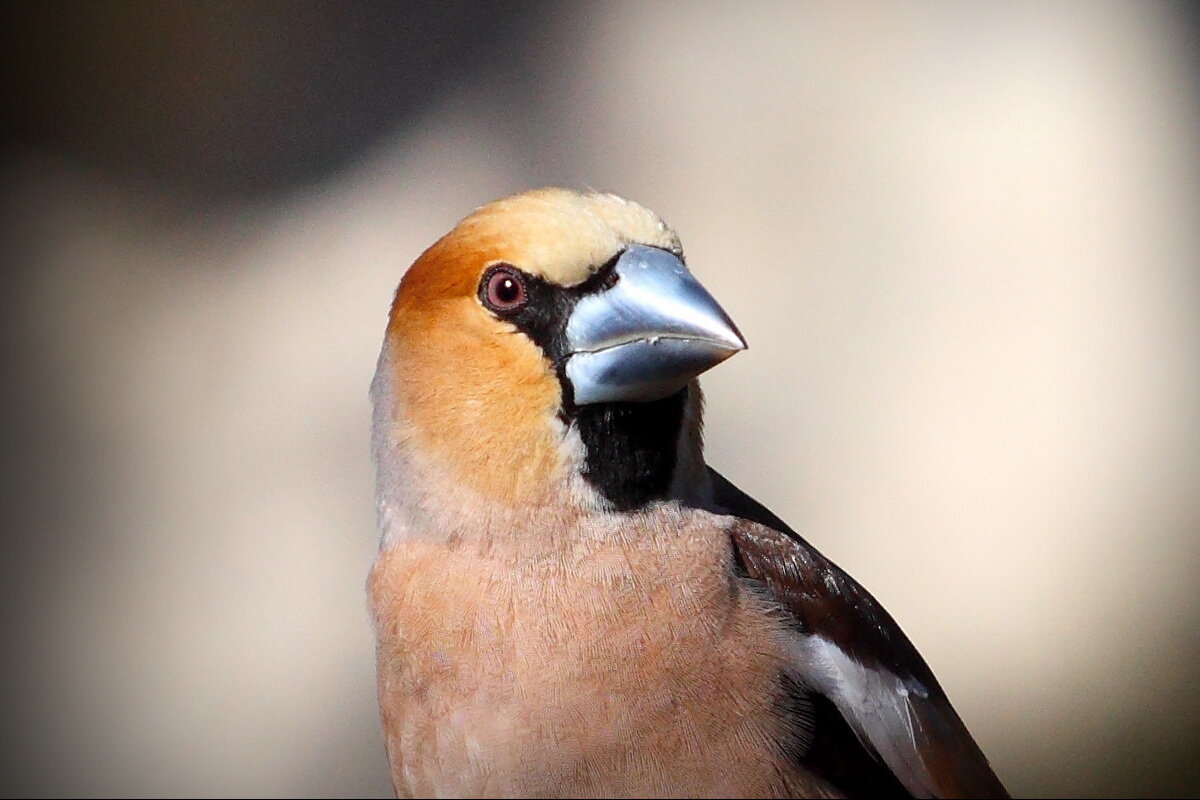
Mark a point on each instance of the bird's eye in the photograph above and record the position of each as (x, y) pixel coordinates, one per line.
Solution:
(503, 289)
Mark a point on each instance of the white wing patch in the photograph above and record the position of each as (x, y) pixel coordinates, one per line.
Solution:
(875, 702)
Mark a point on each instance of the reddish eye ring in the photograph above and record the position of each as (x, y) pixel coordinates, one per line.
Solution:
(503, 289)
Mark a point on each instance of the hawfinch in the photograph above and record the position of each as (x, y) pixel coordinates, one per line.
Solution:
(568, 601)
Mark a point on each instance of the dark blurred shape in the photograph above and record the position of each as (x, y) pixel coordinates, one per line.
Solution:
(1188, 14)
(227, 101)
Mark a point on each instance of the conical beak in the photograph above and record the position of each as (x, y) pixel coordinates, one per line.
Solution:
(649, 334)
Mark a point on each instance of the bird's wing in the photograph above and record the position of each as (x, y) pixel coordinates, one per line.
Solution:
(850, 653)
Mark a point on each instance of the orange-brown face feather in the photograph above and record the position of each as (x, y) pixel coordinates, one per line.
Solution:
(476, 394)
(479, 399)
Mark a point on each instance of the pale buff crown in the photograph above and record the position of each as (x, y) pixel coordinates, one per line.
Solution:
(562, 235)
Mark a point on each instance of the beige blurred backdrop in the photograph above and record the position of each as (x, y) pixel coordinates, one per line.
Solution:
(963, 241)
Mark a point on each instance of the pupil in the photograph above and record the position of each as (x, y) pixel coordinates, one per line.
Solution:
(507, 290)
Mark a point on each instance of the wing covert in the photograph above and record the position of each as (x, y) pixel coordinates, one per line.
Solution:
(850, 650)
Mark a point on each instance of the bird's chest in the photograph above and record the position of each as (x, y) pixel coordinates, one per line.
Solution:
(609, 678)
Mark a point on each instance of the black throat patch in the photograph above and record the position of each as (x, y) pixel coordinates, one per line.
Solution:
(631, 448)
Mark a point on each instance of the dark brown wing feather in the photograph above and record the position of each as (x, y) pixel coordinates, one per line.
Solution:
(925, 744)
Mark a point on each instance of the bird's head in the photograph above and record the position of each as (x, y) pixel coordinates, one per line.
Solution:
(543, 354)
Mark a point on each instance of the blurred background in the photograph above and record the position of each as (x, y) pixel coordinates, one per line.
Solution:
(963, 241)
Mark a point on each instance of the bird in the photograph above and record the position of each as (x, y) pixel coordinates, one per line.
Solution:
(567, 600)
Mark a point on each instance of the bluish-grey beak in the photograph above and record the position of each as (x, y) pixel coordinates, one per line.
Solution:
(648, 335)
